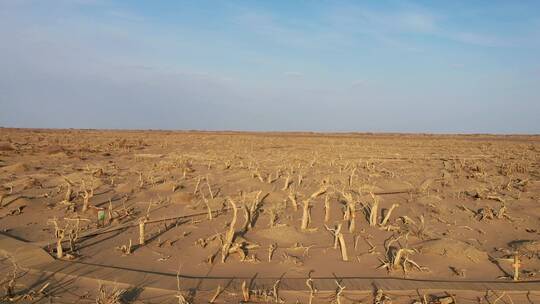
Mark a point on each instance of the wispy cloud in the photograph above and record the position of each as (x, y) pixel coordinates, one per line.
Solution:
(359, 83)
(457, 65)
(420, 22)
(478, 39)
(271, 28)
(124, 15)
(338, 26)
(391, 25)
(294, 74)
(368, 59)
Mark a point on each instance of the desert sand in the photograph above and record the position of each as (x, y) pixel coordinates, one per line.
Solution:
(193, 217)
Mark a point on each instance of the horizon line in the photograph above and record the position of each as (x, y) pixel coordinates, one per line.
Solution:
(369, 133)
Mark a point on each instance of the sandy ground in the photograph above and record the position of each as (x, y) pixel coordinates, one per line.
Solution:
(415, 206)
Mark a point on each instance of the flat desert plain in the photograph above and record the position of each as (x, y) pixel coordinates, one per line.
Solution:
(92, 216)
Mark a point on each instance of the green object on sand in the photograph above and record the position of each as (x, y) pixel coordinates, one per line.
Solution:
(101, 215)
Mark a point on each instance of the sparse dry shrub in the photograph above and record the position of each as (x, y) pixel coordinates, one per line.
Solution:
(513, 167)
(326, 209)
(251, 210)
(110, 296)
(339, 239)
(306, 214)
(229, 236)
(400, 257)
(311, 287)
(69, 230)
(245, 292)
(350, 211)
(339, 292)
(292, 199)
(306, 207)
(373, 209)
(9, 282)
(388, 213)
(287, 183)
(271, 249)
(219, 290)
(142, 236)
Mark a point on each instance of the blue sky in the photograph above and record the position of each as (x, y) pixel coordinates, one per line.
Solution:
(406, 66)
